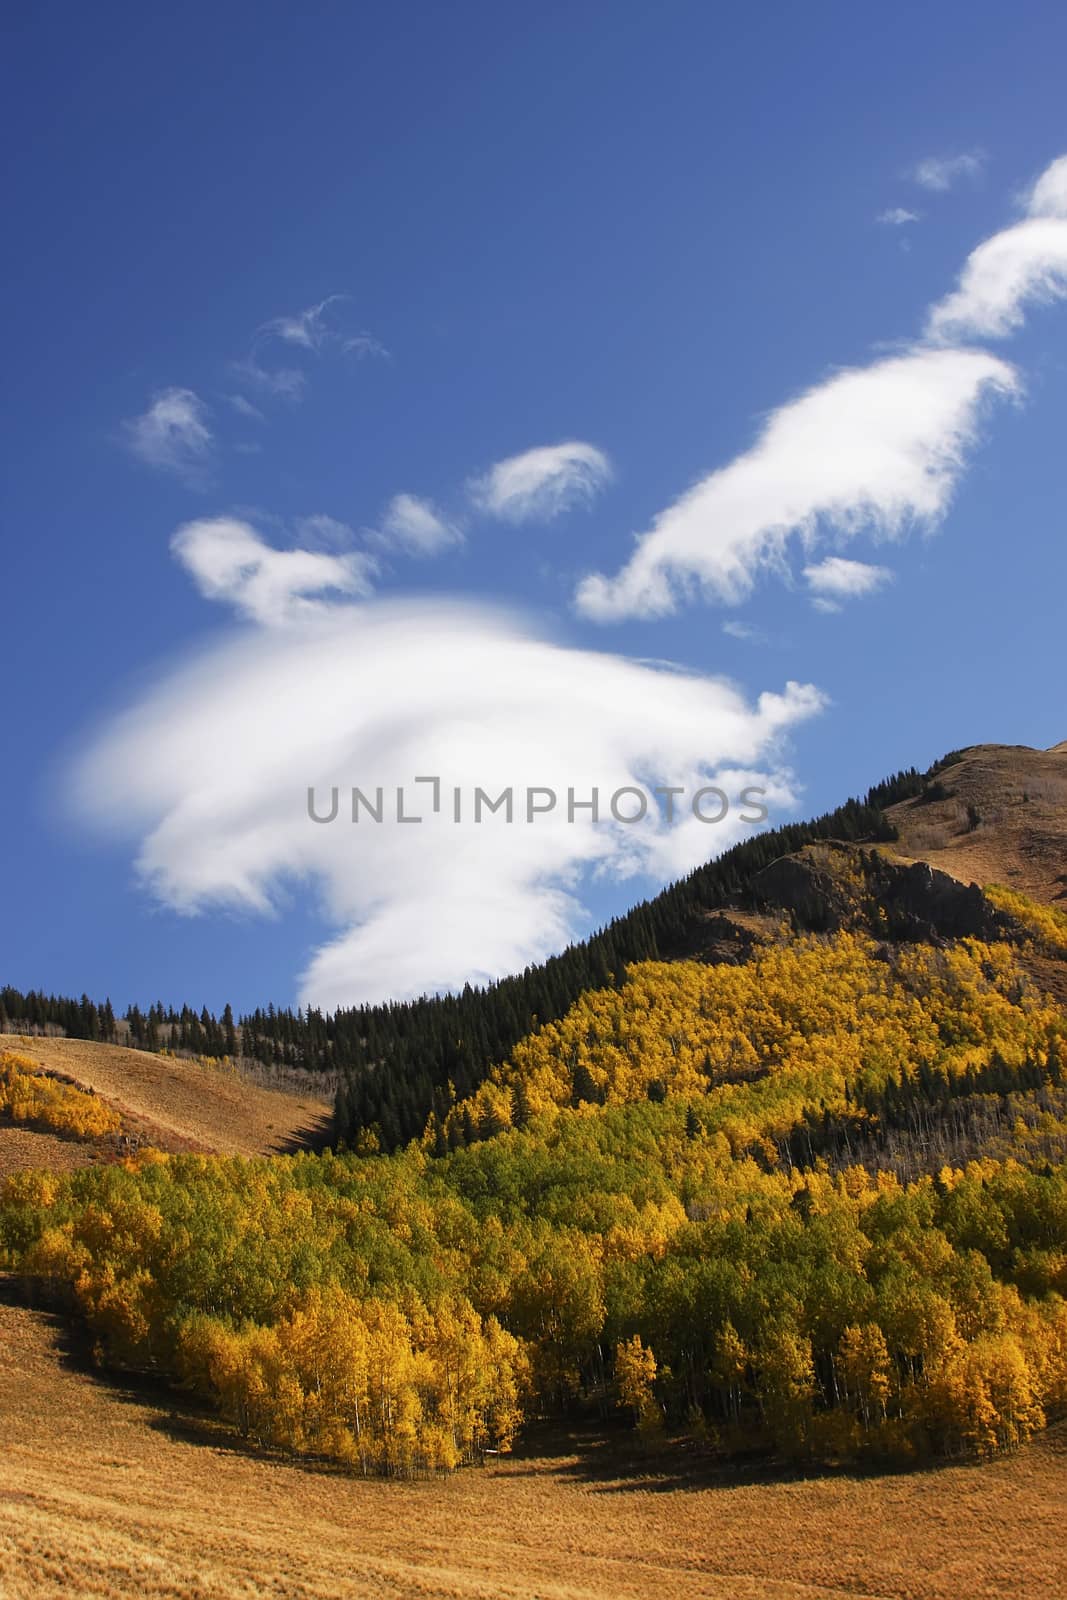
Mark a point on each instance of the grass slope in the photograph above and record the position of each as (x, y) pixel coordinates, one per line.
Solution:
(180, 1104)
(106, 1493)
(1016, 833)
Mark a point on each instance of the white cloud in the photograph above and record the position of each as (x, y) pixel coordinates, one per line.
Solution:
(897, 217)
(876, 448)
(845, 579)
(364, 345)
(939, 173)
(540, 484)
(379, 693)
(416, 527)
(287, 382)
(245, 408)
(747, 632)
(1048, 195)
(1019, 267)
(836, 579)
(311, 331)
(308, 328)
(230, 562)
(172, 434)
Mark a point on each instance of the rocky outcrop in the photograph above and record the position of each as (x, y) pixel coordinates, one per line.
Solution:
(830, 886)
(817, 899)
(922, 903)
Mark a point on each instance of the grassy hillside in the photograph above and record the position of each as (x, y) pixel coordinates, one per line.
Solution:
(175, 1103)
(993, 814)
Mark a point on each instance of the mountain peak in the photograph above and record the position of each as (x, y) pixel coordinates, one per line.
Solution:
(993, 814)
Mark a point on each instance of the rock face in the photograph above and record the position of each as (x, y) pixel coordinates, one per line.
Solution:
(923, 903)
(719, 940)
(816, 898)
(830, 886)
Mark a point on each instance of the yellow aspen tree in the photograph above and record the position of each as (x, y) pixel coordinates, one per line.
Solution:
(635, 1375)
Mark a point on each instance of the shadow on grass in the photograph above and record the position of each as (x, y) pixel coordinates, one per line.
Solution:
(316, 1135)
(607, 1457)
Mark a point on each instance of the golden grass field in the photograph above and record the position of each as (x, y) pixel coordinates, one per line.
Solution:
(173, 1103)
(106, 1492)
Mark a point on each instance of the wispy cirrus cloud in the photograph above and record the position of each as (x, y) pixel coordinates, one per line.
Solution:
(416, 527)
(898, 217)
(746, 632)
(365, 345)
(230, 562)
(310, 328)
(542, 483)
(311, 331)
(836, 579)
(1022, 266)
(173, 434)
(245, 408)
(288, 383)
(941, 173)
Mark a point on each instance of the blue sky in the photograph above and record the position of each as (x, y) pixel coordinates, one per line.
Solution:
(637, 234)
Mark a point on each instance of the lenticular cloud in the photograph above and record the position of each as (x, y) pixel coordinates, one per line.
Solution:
(211, 771)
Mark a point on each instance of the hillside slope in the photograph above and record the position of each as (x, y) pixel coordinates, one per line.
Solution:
(173, 1103)
(991, 814)
(994, 814)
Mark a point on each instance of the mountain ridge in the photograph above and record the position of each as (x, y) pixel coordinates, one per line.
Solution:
(986, 814)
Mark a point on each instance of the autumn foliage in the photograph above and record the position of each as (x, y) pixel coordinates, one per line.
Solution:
(670, 1200)
(29, 1095)
(1045, 924)
(807, 1023)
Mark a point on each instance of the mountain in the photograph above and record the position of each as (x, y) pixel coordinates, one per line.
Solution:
(990, 814)
(790, 1182)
